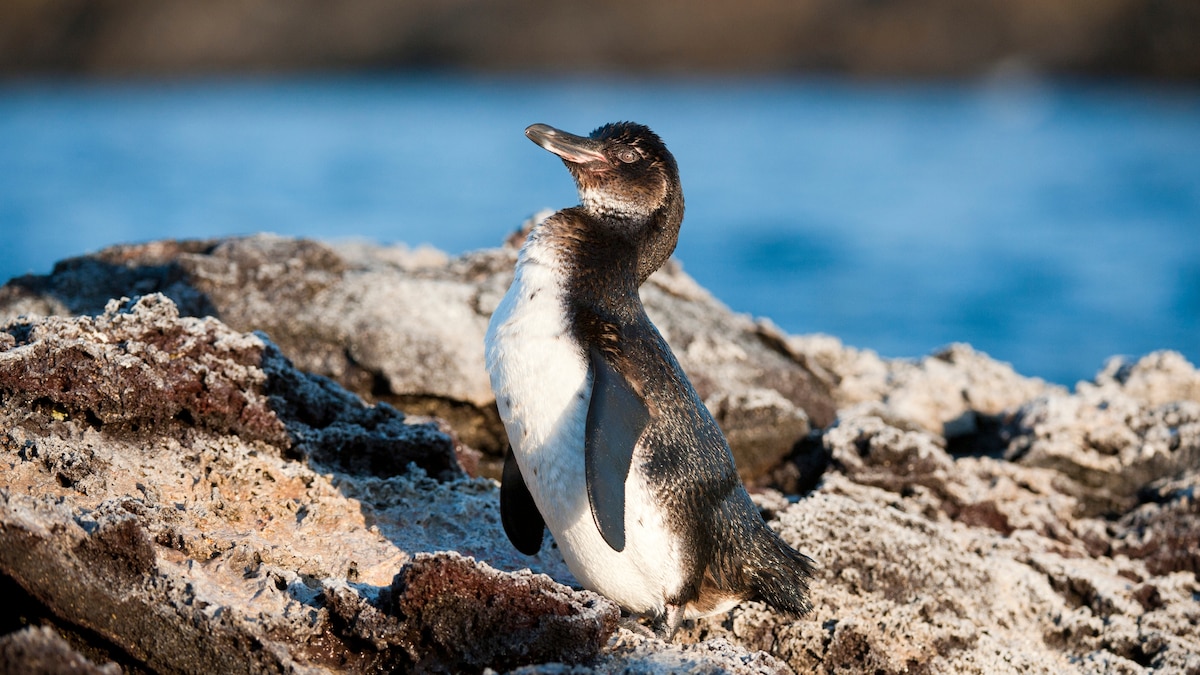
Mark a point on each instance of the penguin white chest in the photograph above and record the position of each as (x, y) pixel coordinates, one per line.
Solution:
(540, 375)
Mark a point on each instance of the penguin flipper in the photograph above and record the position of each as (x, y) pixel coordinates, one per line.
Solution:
(519, 514)
(616, 417)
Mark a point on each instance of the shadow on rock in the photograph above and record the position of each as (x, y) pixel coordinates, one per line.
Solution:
(331, 427)
(178, 492)
(85, 285)
(407, 327)
(387, 332)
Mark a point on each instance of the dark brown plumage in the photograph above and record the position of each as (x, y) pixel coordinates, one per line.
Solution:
(643, 416)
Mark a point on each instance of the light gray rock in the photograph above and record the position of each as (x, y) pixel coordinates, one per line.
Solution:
(943, 393)
(192, 499)
(180, 489)
(177, 441)
(38, 650)
(406, 327)
(1136, 423)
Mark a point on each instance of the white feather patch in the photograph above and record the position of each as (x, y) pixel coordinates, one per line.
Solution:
(541, 379)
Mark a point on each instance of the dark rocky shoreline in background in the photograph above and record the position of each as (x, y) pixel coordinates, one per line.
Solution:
(1157, 39)
(183, 493)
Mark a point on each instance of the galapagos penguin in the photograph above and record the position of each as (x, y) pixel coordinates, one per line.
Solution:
(611, 447)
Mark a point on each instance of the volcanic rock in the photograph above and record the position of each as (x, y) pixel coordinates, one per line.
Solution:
(177, 495)
(406, 328)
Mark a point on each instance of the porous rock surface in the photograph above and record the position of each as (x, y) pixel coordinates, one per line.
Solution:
(279, 535)
(176, 495)
(406, 327)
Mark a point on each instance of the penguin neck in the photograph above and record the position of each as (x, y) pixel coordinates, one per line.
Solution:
(609, 258)
(660, 233)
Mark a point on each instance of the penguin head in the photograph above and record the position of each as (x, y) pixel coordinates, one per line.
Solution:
(622, 170)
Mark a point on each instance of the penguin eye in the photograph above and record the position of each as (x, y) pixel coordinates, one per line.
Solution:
(627, 155)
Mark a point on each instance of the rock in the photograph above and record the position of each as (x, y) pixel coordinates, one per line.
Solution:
(906, 586)
(1163, 530)
(406, 328)
(187, 371)
(764, 397)
(383, 330)
(958, 395)
(1116, 435)
(177, 495)
(293, 537)
(920, 550)
(141, 365)
(448, 613)
(716, 655)
(84, 398)
(465, 615)
(41, 651)
(1156, 379)
(946, 393)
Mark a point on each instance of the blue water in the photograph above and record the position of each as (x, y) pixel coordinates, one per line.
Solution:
(1049, 225)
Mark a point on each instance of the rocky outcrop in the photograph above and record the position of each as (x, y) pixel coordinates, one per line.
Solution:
(274, 539)
(1136, 423)
(1061, 542)
(406, 328)
(177, 495)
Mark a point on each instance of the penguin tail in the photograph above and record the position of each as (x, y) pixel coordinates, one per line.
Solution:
(757, 562)
(780, 577)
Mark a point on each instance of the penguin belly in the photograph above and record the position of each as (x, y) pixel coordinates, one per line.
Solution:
(541, 379)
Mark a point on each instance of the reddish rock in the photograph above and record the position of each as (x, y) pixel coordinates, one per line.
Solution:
(138, 365)
(463, 615)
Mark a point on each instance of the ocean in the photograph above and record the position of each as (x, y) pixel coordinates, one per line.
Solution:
(1049, 224)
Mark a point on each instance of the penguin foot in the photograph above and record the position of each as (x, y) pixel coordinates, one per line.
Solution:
(632, 624)
(667, 624)
(662, 627)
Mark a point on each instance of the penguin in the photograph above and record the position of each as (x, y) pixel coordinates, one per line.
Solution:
(611, 448)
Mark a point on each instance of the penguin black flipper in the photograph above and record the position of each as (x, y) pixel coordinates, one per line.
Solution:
(519, 514)
(615, 420)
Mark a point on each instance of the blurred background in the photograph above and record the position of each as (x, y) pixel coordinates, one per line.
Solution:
(1022, 175)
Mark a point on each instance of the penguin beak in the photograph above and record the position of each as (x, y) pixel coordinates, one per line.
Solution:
(572, 148)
